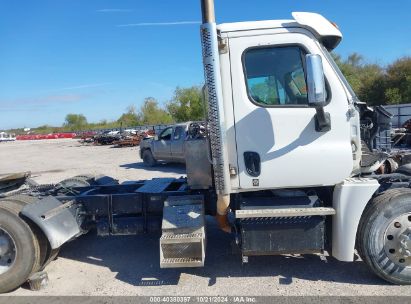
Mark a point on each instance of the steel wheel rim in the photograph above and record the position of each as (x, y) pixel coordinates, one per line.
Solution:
(8, 251)
(397, 240)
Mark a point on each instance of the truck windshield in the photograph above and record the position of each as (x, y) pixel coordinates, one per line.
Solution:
(340, 74)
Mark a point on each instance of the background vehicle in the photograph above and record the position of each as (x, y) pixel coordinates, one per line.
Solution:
(6, 137)
(288, 150)
(168, 146)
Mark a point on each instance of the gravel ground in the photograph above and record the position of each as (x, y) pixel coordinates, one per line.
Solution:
(129, 265)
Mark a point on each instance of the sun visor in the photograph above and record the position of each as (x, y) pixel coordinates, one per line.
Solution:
(328, 33)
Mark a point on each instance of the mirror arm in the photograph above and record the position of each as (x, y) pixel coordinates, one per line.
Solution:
(322, 120)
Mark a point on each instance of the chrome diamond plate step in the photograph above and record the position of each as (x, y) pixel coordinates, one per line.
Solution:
(181, 262)
(284, 212)
(178, 238)
(182, 243)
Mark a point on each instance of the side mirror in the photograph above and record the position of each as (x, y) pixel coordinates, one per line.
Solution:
(316, 92)
(315, 81)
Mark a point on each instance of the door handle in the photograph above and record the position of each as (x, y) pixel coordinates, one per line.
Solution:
(252, 163)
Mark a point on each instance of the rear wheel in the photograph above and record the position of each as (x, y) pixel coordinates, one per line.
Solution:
(149, 159)
(15, 204)
(404, 169)
(76, 181)
(19, 250)
(384, 236)
(87, 180)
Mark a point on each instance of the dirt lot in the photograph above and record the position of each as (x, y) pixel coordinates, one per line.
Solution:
(129, 265)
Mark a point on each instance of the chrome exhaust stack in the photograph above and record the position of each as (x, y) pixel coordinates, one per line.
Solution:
(216, 123)
(207, 10)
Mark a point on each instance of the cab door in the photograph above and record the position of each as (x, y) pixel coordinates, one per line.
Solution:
(162, 146)
(177, 145)
(277, 142)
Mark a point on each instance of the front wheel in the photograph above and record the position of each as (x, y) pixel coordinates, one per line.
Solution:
(149, 159)
(384, 236)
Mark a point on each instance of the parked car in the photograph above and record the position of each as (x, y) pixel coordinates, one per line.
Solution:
(6, 137)
(168, 146)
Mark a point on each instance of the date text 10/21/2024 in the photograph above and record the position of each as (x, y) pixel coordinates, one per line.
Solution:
(203, 299)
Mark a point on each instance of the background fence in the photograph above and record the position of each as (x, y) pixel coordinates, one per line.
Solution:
(401, 113)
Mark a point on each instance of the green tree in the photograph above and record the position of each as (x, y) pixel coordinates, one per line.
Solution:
(372, 84)
(75, 122)
(398, 81)
(376, 84)
(151, 113)
(46, 129)
(187, 104)
(367, 80)
(130, 118)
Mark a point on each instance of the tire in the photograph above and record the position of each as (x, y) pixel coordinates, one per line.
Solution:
(53, 254)
(385, 221)
(404, 169)
(88, 180)
(104, 180)
(16, 203)
(21, 199)
(27, 252)
(148, 158)
(74, 182)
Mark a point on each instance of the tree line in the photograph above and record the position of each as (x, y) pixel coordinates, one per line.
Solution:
(186, 104)
(376, 84)
(373, 83)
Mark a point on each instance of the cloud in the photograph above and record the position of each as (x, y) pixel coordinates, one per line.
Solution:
(159, 23)
(28, 104)
(114, 10)
(85, 86)
(61, 98)
(50, 98)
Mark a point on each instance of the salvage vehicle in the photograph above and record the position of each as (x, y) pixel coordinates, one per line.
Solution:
(168, 146)
(285, 166)
(6, 137)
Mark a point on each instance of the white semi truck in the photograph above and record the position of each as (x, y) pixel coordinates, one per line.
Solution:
(288, 153)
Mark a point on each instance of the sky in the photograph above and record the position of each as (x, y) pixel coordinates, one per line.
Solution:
(97, 57)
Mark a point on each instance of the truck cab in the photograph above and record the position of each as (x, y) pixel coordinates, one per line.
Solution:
(284, 123)
(271, 126)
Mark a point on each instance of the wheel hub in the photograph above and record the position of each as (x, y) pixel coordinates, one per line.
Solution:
(7, 251)
(398, 240)
(405, 243)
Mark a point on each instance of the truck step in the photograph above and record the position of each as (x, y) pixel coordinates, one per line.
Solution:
(178, 238)
(181, 262)
(182, 243)
(284, 212)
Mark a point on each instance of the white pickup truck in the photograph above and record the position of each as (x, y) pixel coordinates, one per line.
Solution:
(6, 137)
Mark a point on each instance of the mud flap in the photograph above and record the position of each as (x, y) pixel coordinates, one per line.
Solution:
(56, 219)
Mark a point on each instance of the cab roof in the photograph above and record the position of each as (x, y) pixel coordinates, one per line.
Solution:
(325, 31)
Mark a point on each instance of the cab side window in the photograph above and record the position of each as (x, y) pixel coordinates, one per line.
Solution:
(275, 76)
(166, 134)
(178, 133)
